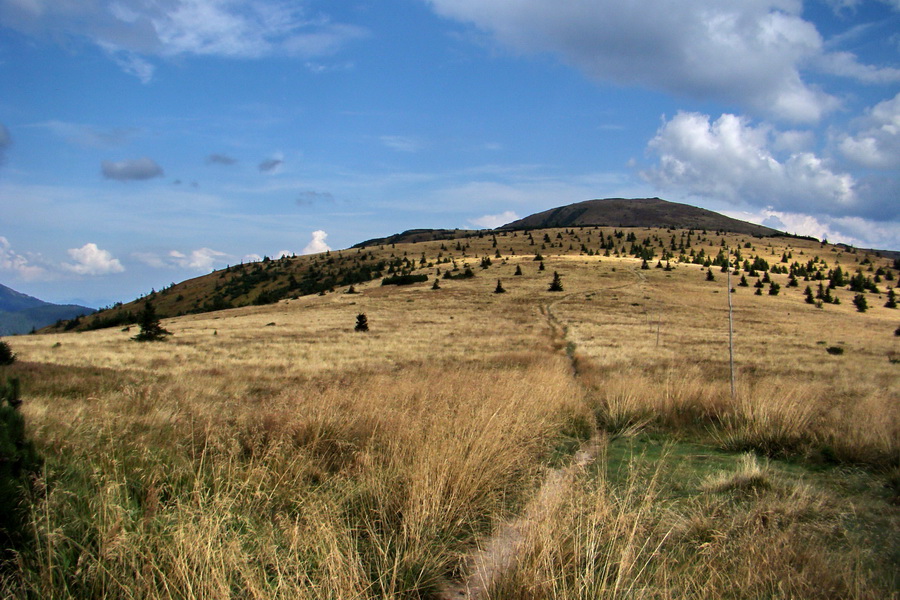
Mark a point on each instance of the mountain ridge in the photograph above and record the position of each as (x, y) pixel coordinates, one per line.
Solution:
(21, 313)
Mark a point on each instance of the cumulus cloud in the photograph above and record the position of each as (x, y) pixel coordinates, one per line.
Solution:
(202, 259)
(730, 159)
(877, 143)
(317, 243)
(131, 170)
(271, 165)
(131, 30)
(91, 260)
(752, 53)
(494, 221)
(13, 262)
(220, 159)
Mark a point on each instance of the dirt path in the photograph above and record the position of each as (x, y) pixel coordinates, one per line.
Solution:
(498, 553)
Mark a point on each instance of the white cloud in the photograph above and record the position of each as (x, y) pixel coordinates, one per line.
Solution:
(750, 52)
(20, 265)
(317, 243)
(401, 143)
(877, 145)
(198, 260)
(731, 160)
(130, 30)
(494, 221)
(91, 260)
(131, 170)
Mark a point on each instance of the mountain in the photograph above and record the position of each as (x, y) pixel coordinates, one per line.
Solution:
(21, 313)
(269, 280)
(637, 212)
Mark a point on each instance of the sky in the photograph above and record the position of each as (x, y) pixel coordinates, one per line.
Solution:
(145, 142)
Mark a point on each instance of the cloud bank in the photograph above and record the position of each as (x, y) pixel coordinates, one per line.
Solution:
(129, 31)
(752, 53)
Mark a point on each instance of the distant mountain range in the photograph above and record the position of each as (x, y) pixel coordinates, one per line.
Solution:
(21, 313)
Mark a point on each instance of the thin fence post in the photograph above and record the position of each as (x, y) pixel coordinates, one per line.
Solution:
(730, 330)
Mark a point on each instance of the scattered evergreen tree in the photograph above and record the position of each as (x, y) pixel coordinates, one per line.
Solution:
(362, 322)
(499, 289)
(352, 290)
(774, 288)
(518, 270)
(645, 266)
(6, 354)
(859, 301)
(758, 292)
(710, 276)
(436, 285)
(743, 282)
(808, 293)
(892, 299)
(556, 284)
(151, 329)
(541, 266)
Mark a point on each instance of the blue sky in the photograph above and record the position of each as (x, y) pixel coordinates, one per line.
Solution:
(144, 142)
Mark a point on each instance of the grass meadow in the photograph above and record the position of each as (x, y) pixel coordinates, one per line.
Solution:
(274, 452)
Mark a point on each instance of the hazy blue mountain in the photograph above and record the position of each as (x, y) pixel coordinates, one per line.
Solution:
(20, 313)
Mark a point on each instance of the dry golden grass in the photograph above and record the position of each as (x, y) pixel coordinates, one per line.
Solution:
(272, 451)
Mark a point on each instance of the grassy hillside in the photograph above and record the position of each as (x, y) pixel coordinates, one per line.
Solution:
(585, 440)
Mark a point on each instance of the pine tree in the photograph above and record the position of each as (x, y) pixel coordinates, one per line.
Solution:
(859, 301)
(362, 322)
(892, 299)
(556, 284)
(6, 354)
(518, 270)
(151, 329)
(499, 289)
(436, 285)
(710, 276)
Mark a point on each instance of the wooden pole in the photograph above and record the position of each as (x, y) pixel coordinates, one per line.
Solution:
(730, 331)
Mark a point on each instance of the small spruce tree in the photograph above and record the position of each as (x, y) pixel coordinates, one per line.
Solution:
(436, 285)
(518, 270)
(151, 329)
(859, 301)
(362, 322)
(556, 284)
(710, 276)
(892, 299)
(499, 289)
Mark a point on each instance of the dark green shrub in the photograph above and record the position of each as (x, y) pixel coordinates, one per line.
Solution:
(499, 289)
(404, 279)
(834, 350)
(362, 322)
(859, 301)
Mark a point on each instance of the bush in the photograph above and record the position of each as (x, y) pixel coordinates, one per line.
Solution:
(362, 322)
(18, 463)
(834, 350)
(859, 301)
(6, 354)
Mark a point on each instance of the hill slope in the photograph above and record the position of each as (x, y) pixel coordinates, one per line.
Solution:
(637, 212)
